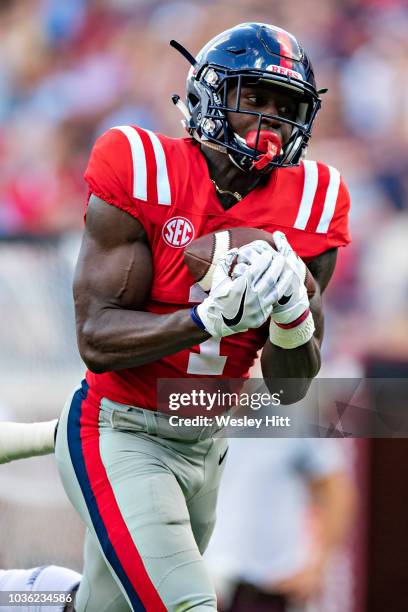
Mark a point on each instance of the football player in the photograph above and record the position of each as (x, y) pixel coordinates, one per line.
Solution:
(146, 491)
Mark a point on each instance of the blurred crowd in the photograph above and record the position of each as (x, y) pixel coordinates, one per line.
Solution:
(70, 70)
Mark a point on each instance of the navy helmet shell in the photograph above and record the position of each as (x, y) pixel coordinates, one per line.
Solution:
(250, 52)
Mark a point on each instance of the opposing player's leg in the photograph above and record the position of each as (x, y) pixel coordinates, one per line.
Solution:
(124, 486)
(23, 440)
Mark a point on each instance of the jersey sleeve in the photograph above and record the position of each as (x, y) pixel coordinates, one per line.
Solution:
(338, 233)
(109, 173)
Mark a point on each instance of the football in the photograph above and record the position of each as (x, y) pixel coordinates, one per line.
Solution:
(202, 254)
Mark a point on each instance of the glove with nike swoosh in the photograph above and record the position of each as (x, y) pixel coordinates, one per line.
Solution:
(245, 301)
(291, 322)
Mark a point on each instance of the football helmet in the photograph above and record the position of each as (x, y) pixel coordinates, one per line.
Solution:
(249, 53)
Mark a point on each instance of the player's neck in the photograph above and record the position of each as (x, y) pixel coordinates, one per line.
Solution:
(227, 177)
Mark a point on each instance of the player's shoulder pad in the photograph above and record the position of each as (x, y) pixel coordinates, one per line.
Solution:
(137, 159)
(150, 156)
(324, 197)
(109, 171)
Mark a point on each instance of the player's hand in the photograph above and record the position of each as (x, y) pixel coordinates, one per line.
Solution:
(277, 278)
(246, 300)
(248, 253)
(291, 322)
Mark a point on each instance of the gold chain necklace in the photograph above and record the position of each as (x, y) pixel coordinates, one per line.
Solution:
(234, 194)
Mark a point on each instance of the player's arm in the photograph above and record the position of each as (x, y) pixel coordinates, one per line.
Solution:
(23, 440)
(112, 284)
(322, 268)
(301, 363)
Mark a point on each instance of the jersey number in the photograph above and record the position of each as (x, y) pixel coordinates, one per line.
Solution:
(208, 361)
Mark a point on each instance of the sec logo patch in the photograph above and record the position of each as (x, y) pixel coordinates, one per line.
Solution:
(178, 232)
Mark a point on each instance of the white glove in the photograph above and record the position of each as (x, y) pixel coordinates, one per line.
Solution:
(277, 279)
(291, 322)
(245, 301)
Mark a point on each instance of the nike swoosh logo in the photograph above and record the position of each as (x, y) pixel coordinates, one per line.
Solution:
(222, 457)
(284, 299)
(235, 320)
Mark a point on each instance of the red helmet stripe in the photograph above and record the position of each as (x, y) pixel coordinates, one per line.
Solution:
(286, 49)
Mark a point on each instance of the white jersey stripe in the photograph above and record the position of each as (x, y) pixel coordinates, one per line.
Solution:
(139, 161)
(309, 191)
(163, 183)
(330, 201)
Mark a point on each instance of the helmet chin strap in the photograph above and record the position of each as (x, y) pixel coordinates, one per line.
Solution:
(237, 164)
(209, 144)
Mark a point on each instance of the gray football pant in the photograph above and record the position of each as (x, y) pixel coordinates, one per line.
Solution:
(149, 507)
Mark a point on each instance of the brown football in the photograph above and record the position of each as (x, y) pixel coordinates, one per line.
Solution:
(202, 254)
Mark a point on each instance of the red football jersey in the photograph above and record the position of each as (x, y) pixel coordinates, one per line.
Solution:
(165, 184)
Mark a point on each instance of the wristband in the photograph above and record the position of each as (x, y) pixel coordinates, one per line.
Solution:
(289, 337)
(294, 323)
(195, 317)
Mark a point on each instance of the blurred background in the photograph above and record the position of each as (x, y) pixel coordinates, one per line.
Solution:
(68, 71)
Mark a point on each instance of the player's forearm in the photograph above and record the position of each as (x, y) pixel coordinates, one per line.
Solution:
(118, 339)
(300, 365)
